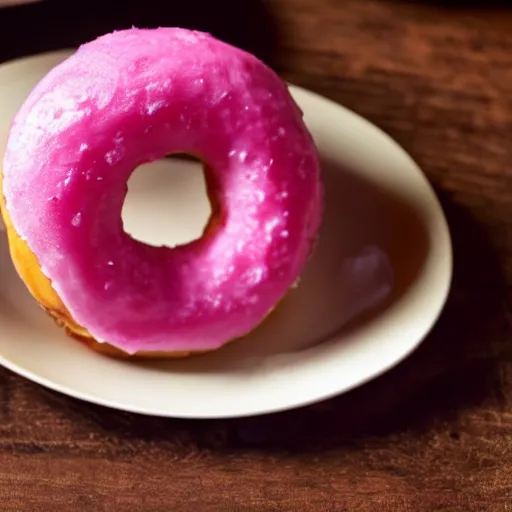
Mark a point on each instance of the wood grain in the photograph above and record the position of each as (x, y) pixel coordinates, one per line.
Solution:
(435, 434)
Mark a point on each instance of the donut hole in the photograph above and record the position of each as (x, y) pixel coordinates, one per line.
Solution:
(167, 202)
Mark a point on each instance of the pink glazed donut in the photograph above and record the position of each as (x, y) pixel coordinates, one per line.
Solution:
(134, 96)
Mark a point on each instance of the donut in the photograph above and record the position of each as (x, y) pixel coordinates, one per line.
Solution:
(135, 96)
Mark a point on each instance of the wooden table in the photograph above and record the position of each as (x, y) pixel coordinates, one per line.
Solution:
(435, 434)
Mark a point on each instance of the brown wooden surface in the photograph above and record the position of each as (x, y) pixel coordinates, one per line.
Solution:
(435, 434)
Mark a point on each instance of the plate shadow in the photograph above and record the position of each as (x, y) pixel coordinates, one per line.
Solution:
(455, 368)
(55, 24)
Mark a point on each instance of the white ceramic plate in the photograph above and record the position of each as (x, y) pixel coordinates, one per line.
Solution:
(376, 197)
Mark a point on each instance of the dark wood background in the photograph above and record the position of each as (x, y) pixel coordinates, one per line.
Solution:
(435, 434)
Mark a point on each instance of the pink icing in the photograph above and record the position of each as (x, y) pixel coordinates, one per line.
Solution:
(134, 96)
